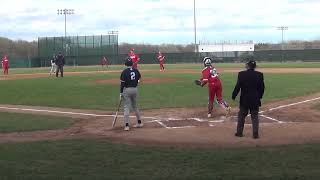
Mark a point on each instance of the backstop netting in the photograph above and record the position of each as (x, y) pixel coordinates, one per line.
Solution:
(79, 50)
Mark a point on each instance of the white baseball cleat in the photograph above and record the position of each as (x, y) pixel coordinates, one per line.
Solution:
(139, 125)
(209, 115)
(126, 128)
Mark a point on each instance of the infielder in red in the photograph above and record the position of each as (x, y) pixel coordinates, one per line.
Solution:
(211, 77)
(135, 58)
(104, 62)
(161, 60)
(5, 65)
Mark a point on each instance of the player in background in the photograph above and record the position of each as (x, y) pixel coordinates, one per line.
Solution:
(104, 62)
(135, 58)
(161, 57)
(2, 64)
(53, 64)
(211, 77)
(5, 64)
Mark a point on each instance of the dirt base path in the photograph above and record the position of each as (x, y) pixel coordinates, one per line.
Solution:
(291, 121)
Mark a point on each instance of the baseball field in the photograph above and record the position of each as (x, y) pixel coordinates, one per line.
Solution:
(60, 128)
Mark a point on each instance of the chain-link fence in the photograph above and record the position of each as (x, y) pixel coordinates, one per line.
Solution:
(23, 62)
(78, 50)
(267, 55)
(88, 50)
(288, 55)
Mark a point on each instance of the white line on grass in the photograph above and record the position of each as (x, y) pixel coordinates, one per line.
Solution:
(293, 104)
(94, 115)
(68, 112)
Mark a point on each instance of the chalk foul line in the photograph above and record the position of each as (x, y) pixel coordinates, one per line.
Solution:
(294, 104)
(156, 119)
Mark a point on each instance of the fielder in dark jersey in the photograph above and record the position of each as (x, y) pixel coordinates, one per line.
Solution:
(128, 92)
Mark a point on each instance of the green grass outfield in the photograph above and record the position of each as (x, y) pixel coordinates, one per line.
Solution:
(94, 159)
(14, 122)
(82, 92)
(168, 66)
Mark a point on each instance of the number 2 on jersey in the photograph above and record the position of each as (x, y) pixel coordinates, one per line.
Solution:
(133, 76)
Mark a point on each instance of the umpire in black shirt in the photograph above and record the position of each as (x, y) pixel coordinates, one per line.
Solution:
(60, 61)
(128, 93)
(251, 84)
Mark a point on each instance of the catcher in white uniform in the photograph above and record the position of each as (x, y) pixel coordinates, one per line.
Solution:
(53, 65)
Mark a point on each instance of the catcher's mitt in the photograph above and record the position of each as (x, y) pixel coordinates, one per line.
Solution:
(197, 82)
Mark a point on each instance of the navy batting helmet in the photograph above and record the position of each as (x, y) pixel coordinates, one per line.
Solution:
(128, 62)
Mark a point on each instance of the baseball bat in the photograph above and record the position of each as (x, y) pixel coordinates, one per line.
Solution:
(116, 116)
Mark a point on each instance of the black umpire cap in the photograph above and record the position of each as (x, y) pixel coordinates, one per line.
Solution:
(251, 64)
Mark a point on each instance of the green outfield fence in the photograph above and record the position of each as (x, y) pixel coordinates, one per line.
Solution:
(191, 57)
(23, 62)
(288, 55)
(87, 54)
(146, 58)
(78, 50)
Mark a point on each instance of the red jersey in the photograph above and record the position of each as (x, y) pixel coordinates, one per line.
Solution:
(5, 62)
(104, 61)
(160, 57)
(135, 59)
(210, 76)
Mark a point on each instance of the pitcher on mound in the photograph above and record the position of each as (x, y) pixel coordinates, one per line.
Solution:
(211, 77)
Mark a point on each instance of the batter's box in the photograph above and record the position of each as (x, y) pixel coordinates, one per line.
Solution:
(184, 123)
(152, 124)
(262, 119)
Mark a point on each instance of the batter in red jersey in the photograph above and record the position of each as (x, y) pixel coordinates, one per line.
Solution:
(135, 58)
(161, 60)
(5, 65)
(211, 77)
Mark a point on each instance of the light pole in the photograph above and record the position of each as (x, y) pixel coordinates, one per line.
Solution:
(65, 12)
(282, 29)
(195, 25)
(114, 33)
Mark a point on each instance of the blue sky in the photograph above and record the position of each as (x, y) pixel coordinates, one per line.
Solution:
(164, 21)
